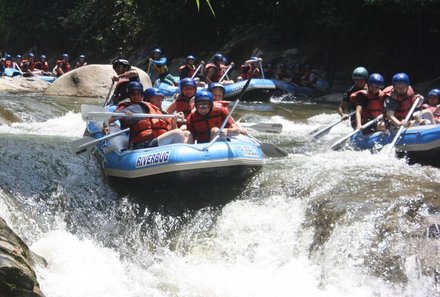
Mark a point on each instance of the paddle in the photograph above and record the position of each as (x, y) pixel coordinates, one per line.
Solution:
(264, 127)
(197, 70)
(399, 132)
(97, 113)
(326, 129)
(226, 72)
(338, 143)
(270, 149)
(86, 143)
(261, 67)
(108, 95)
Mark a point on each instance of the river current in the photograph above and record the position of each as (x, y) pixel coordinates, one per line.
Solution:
(316, 223)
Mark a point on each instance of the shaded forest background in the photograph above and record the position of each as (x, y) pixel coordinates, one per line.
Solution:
(386, 36)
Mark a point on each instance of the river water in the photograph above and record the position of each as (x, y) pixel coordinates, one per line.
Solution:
(316, 223)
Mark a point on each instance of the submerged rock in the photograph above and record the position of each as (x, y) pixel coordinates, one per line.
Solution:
(17, 275)
(89, 81)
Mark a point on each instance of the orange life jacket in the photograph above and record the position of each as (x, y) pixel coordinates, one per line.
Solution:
(405, 101)
(201, 125)
(375, 104)
(191, 70)
(146, 128)
(218, 72)
(248, 70)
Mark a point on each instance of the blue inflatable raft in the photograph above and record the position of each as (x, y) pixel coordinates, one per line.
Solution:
(420, 144)
(15, 73)
(258, 90)
(318, 89)
(234, 159)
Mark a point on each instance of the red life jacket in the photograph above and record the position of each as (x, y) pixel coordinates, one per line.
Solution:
(147, 128)
(405, 101)
(201, 125)
(248, 70)
(65, 66)
(9, 64)
(434, 109)
(44, 66)
(191, 70)
(375, 104)
(183, 104)
(218, 72)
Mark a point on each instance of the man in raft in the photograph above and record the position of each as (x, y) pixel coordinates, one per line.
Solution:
(216, 70)
(160, 68)
(62, 65)
(250, 68)
(146, 132)
(369, 104)
(398, 100)
(359, 76)
(124, 75)
(205, 121)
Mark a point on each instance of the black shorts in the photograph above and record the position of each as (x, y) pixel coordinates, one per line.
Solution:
(146, 144)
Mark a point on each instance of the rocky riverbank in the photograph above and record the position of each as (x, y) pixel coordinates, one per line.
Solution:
(17, 263)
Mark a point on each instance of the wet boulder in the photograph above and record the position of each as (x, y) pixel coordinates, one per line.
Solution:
(20, 84)
(89, 81)
(17, 262)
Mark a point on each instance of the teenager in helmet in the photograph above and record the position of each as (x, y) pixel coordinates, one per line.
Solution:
(205, 121)
(359, 76)
(184, 101)
(81, 61)
(160, 68)
(124, 75)
(433, 105)
(218, 93)
(42, 65)
(145, 132)
(369, 104)
(62, 65)
(215, 70)
(398, 100)
(250, 68)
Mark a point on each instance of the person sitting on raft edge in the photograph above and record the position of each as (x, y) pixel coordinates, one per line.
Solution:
(205, 121)
(398, 100)
(146, 132)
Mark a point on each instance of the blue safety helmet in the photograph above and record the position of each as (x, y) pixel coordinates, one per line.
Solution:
(82, 56)
(65, 56)
(18, 57)
(43, 57)
(376, 79)
(151, 92)
(203, 96)
(218, 58)
(31, 55)
(216, 85)
(187, 82)
(135, 86)
(434, 93)
(400, 78)
(190, 57)
(8, 57)
(157, 50)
